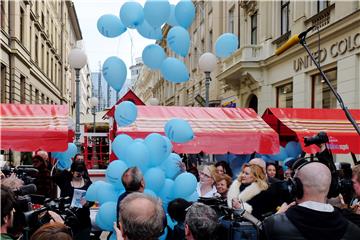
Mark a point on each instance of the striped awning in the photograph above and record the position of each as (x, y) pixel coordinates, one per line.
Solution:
(305, 122)
(27, 127)
(217, 130)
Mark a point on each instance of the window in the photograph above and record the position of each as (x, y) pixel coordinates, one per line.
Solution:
(30, 40)
(22, 89)
(322, 97)
(194, 59)
(210, 42)
(37, 96)
(52, 70)
(321, 5)
(47, 63)
(30, 94)
(22, 19)
(284, 17)
(3, 81)
(231, 26)
(254, 28)
(42, 57)
(36, 49)
(284, 96)
(47, 100)
(2, 13)
(42, 98)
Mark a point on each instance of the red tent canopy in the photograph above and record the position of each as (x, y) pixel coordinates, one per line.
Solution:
(33, 127)
(217, 130)
(297, 123)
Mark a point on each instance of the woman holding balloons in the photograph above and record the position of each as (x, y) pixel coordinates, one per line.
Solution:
(75, 181)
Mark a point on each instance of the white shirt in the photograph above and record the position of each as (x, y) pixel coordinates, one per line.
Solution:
(208, 194)
(321, 207)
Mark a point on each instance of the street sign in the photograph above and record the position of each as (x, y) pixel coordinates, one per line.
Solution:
(200, 100)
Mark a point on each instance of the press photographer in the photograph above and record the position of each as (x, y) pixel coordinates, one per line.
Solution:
(7, 211)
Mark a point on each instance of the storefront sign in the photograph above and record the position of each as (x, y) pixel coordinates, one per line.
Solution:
(336, 49)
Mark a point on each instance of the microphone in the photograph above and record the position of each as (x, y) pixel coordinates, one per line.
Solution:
(26, 189)
(293, 41)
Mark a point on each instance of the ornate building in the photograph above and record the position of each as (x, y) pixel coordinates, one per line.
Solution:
(254, 76)
(36, 38)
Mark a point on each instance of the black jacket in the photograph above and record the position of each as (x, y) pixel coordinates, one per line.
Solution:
(300, 223)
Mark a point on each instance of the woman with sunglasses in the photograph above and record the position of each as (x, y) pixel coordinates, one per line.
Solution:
(248, 189)
(206, 185)
(76, 180)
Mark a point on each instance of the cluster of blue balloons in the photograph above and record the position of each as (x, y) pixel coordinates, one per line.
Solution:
(162, 174)
(291, 150)
(64, 158)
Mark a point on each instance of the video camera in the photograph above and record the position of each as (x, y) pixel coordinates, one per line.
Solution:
(23, 172)
(35, 218)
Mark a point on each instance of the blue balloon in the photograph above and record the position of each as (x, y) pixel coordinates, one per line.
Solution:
(71, 150)
(281, 156)
(166, 192)
(153, 56)
(172, 19)
(156, 12)
(226, 45)
(178, 39)
(114, 71)
(179, 130)
(132, 14)
(139, 140)
(158, 147)
(148, 31)
(91, 192)
(150, 193)
(110, 26)
(113, 236)
(106, 216)
(164, 235)
(64, 163)
(293, 149)
(114, 173)
(171, 166)
(170, 222)
(192, 197)
(184, 185)
(154, 179)
(106, 193)
(174, 70)
(185, 13)
(119, 145)
(125, 113)
(169, 145)
(137, 154)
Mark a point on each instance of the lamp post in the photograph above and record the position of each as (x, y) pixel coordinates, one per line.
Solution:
(207, 63)
(77, 60)
(93, 103)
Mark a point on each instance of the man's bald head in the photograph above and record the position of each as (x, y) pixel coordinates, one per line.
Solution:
(260, 162)
(141, 217)
(133, 180)
(316, 180)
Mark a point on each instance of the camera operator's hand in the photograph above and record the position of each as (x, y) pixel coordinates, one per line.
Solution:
(356, 208)
(55, 217)
(284, 207)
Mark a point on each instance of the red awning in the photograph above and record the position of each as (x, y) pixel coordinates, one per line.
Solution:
(31, 127)
(217, 130)
(305, 122)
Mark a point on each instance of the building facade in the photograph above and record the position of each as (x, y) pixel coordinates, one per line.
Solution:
(254, 76)
(36, 39)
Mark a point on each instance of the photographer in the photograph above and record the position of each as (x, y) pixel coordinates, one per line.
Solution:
(43, 180)
(7, 211)
(355, 203)
(72, 181)
(53, 231)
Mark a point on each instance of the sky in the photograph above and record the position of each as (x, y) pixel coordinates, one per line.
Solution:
(98, 48)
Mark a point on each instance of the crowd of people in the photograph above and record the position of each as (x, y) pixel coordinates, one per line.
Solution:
(258, 189)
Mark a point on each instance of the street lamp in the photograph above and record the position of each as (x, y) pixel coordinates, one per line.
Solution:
(93, 104)
(207, 63)
(77, 60)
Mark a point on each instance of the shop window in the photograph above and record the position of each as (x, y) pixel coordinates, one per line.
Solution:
(322, 97)
(284, 96)
(284, 17)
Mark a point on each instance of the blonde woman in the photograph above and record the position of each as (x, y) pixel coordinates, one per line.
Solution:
(206, 185)
(248, 190)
